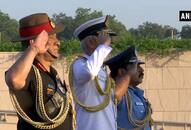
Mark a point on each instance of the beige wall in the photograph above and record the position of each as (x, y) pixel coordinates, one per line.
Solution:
(167, 84)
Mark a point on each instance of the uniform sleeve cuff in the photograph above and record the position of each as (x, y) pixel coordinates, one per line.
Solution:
(106, 48)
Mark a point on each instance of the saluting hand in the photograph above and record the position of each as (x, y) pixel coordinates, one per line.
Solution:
(40, 43)
(104, 37)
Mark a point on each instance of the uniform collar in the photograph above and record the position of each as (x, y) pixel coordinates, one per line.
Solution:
(136, 90)
(42, 69)
(86, 56)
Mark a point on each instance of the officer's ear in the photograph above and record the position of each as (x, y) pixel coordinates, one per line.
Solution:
(121, 72)
(31, 41)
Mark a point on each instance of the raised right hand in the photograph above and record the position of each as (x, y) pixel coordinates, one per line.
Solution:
(40, 43)
(104, 38)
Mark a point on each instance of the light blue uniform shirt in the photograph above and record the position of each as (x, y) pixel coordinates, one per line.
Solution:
(139, 106)
(84, 72)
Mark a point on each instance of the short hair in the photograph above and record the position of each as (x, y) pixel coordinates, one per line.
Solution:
(115, 71)
(84, 47)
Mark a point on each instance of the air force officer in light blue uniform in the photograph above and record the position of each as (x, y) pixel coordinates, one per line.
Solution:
(134, 111)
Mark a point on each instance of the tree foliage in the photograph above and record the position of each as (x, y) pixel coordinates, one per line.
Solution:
(8, 27)
(186, 32)
(82, 15)
(148, 37)
(153, 30)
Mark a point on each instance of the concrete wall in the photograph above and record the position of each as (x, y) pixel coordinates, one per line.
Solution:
(167, 84)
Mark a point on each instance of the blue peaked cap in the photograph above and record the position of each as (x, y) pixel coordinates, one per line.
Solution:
(129, 56)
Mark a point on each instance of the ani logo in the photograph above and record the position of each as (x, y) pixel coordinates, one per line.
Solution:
(184, 15)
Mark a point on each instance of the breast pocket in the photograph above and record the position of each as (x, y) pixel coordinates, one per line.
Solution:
(139, 110)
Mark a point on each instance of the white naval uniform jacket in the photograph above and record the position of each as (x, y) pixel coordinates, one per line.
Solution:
(84, 72)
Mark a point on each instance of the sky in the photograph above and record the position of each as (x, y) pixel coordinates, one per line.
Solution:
(130, 12)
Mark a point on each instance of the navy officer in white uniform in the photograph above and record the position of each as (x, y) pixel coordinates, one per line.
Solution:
(90, 81)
